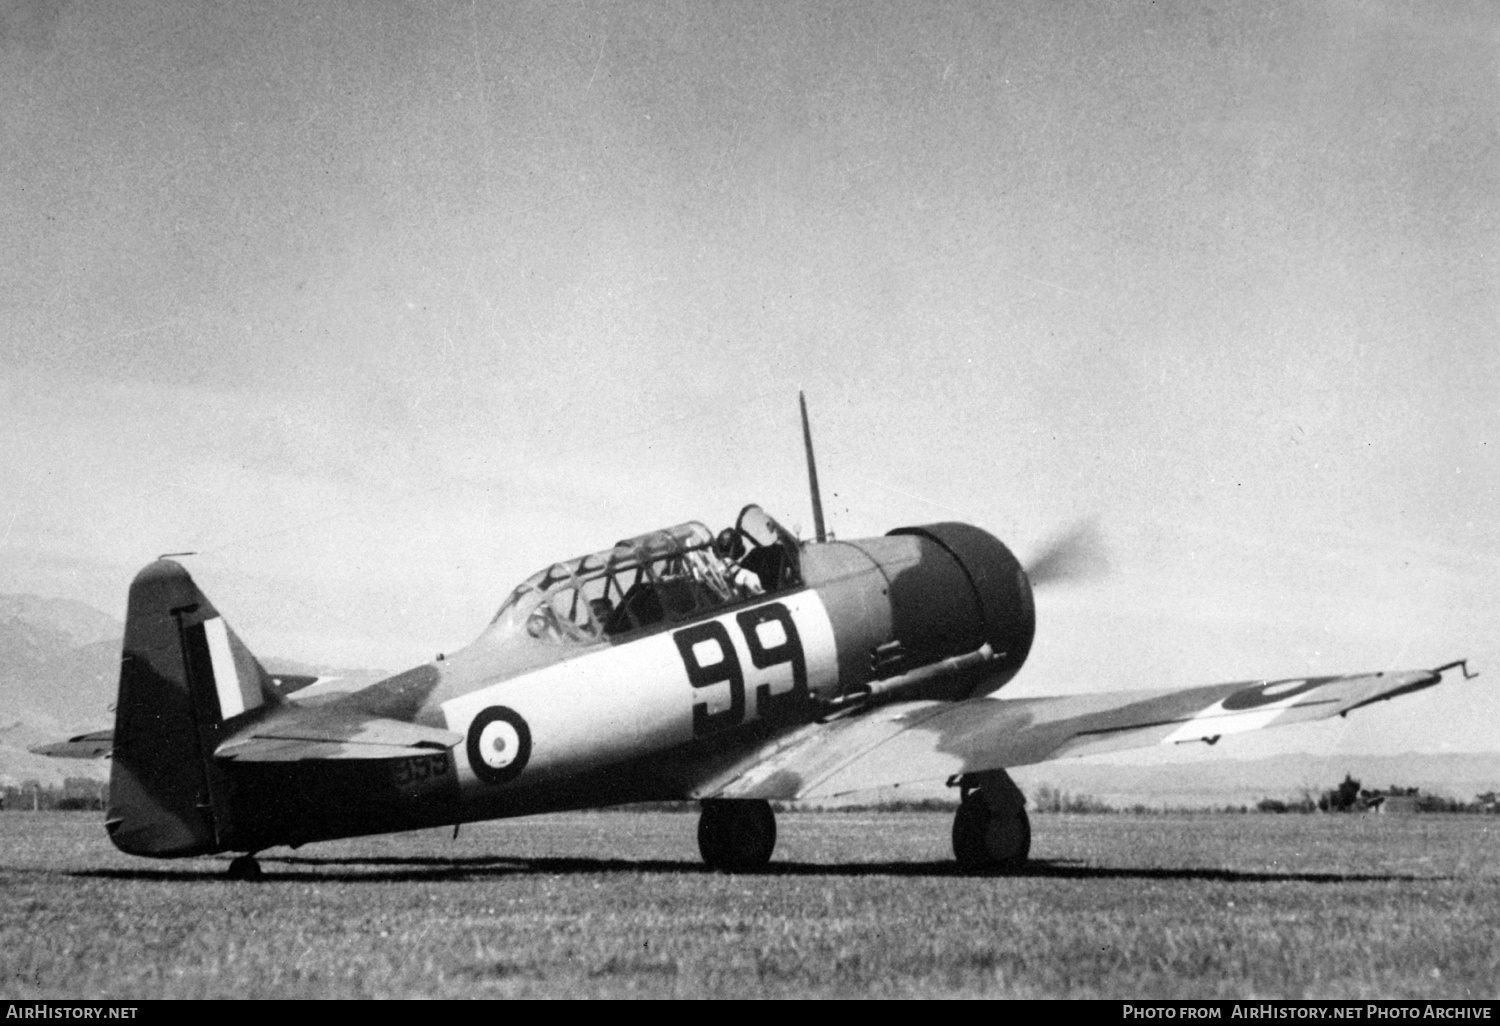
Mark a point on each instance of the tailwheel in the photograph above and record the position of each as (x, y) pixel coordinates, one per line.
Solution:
(998, 840)
(737, 835)
(245, 867)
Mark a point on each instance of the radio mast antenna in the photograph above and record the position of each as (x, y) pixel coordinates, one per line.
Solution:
(819, 534)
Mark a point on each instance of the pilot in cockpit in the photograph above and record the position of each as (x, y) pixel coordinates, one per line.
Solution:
(729, 545)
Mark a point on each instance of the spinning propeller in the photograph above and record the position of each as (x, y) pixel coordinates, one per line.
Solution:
(1077, 554)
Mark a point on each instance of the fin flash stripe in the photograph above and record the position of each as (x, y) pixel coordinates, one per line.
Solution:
(234, 694)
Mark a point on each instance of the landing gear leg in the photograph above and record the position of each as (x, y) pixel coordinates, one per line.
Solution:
(737, 835)
(245, 867)
(991, 830)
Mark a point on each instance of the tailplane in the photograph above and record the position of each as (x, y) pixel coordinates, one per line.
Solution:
(184, 675)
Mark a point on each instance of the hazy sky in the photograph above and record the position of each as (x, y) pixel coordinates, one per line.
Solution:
(382, 306)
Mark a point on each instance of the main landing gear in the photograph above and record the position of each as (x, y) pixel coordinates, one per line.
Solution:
(736, 835)
(245, 867)
(991, 830)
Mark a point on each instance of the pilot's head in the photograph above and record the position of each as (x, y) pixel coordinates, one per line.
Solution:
(729, 544)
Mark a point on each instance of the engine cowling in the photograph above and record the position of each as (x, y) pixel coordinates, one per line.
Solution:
(921, 595)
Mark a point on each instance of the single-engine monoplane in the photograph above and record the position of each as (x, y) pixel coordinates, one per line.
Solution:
(731, 668)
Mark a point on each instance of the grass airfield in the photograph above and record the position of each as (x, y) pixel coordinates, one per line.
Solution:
(854, 905)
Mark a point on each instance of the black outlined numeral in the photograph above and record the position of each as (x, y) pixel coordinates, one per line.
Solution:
(767, 705)
(726, 668)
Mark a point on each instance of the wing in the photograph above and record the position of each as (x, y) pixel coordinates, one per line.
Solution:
(909, 742)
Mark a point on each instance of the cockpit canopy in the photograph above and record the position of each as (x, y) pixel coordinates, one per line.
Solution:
(663, 576)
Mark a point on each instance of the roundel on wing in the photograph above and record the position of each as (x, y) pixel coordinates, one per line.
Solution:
(499, 745)
(1275, 691)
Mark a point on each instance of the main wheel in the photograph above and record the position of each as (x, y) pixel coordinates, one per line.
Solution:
(984, 838)
(245, 867)
(737, 835)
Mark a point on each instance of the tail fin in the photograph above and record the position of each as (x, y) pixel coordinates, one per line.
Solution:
(183, 676)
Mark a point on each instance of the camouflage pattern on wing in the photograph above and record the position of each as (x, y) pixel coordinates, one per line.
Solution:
(300, 736)
(909, 742)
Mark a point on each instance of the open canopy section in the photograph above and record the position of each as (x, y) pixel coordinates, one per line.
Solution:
(661, 577)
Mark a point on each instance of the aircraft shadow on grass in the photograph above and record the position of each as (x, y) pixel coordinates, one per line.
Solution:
(418, 869)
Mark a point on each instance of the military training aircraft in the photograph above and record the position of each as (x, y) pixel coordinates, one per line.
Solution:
(732, 669)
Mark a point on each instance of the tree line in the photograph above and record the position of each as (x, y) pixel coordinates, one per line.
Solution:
(74, 794)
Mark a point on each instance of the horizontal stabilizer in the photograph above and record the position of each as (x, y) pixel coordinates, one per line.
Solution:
(297, 738)
(96, 745)
(291, 683)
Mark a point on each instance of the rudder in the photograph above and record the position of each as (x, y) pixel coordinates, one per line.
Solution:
(183, 675)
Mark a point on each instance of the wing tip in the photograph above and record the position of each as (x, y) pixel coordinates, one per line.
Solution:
(1459, 664)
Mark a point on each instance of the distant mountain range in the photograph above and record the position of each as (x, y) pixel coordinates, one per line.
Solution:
(59, 671)
(1214, 781)
(59, 662)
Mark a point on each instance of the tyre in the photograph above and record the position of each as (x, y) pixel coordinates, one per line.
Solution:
(245, 867)
(737, 836)
(985, 839)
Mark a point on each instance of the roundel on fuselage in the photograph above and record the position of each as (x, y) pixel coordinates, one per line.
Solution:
(499, 745)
